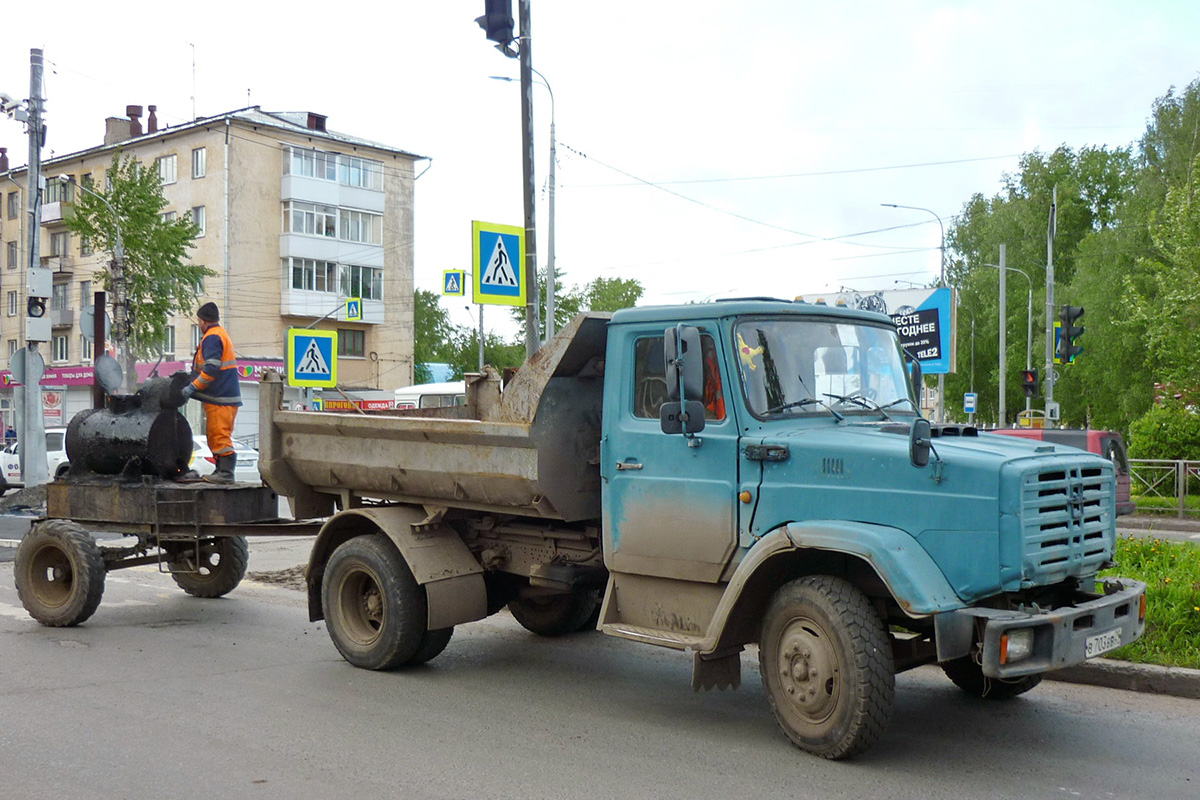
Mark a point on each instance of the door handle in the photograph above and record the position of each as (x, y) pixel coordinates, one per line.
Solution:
(624, 465)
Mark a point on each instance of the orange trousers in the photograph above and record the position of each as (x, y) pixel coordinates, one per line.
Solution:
(218, 427)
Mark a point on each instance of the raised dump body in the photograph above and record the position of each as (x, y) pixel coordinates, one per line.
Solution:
(533, 449)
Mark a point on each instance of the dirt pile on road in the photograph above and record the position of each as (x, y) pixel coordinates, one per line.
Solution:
(290, 578)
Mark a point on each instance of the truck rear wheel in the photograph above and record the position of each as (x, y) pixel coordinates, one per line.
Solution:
(59, 573)
(827, 666)
(219, 568)
(374, 608)
(556, 615)
(968, 675)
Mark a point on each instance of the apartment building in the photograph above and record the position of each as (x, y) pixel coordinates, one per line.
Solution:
(294, 220)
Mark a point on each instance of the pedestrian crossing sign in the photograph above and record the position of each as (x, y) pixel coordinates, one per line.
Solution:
(499, 256)
(354, 309)
(454, 282)
(312, 358)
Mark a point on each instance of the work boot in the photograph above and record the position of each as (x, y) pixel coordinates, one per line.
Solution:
(224, 471)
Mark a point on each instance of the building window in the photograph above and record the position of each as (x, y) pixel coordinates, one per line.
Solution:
(361, 226)
(345, 169)
(167, 350)
(58, 192)
(351, 342)
(168, 217)
(167, 169)
(195, 337)
(364, 282)
(199, 162)
(201, 220)
(60, 243)
(12, 304)
(199, 284)
(362, 172)
(58, 297)
(85, 246)
(62, 349)
(14, 205)
(12, 348)
(85, 349)
(310, 219)
(312, 275)
(86, 300)
(10, 255)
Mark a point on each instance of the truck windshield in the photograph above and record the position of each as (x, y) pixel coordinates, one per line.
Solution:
(788, 365)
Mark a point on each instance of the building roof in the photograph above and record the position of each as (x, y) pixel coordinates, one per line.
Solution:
(290, 121)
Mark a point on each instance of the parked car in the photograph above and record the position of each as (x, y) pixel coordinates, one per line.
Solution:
(56, 458)
(1103, 443)
(204, 462)
(432, 395)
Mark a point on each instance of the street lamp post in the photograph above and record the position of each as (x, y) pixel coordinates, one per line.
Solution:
(120, 294)
(941, 415)
(1028, 330)
(550, 272)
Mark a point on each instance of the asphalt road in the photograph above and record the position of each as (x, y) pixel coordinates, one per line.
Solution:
(161, 694)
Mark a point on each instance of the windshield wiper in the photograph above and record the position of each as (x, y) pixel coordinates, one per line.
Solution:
(898, 402)
(807, 401)
(860, 401)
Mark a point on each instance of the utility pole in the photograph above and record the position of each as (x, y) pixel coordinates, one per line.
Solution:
(532, 301)
(37, 288)
(1003, 334)
(1049, 375)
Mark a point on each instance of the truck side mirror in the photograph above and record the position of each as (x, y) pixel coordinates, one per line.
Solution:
(673, 419)
(682, 360)
(920, 442)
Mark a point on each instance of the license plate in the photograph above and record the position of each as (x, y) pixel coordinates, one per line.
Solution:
(1101, 643)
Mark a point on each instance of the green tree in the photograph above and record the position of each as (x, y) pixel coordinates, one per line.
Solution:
(601, 294)
(434, 335)
(612, 294)
(160, 281)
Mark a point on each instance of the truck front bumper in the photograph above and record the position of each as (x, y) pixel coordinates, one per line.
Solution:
(1062, 637)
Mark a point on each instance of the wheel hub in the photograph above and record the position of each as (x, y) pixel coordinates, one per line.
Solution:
(809, 670)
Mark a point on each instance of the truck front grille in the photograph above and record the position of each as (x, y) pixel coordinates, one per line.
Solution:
(1066, 515)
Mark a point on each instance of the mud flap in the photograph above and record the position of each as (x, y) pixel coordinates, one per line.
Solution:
(720, 670)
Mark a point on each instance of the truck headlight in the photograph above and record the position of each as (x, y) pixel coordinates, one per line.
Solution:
(1016, 645)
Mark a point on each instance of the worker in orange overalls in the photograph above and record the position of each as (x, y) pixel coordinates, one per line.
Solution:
(215, 384)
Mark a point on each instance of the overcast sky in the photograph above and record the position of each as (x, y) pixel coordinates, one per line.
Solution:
(708, 149)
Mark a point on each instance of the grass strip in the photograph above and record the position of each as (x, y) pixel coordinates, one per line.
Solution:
(1171, 571)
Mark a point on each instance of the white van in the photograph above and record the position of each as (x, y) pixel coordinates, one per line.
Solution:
(432, 395)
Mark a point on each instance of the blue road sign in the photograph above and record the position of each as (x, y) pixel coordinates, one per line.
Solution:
(499, 256)
(312, 358)
(454, 282)
(354, 309)
(969, 401)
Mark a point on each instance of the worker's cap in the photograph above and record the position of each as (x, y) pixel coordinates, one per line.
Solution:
(208, 312)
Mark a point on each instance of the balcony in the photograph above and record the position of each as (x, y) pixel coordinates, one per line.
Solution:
(59, 266)
(62, 317)
(57, 212)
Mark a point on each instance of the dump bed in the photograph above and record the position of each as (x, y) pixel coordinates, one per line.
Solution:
(532, 449)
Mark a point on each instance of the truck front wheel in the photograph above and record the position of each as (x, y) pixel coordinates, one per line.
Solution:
(375, 610)
(827, 666)
(556, 615)
(968, 675)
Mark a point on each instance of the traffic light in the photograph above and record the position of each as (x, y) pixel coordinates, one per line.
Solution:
(497, 21)
(1029, 382)
(1068, 317)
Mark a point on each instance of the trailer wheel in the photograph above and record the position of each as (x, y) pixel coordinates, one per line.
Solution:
(221, 567)
(556, 615)
(59, 573)
(968, 676)
(374, 609)
(827, 666)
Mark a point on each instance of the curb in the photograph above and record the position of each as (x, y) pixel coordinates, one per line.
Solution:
(1159, 523)
(1146, 678)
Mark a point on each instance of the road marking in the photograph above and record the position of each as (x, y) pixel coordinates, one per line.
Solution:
(16, 612)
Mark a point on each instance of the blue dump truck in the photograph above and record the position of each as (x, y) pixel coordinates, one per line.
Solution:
(707, 478)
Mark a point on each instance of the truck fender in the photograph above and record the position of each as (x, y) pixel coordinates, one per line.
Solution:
(904, 567)
(440, 561)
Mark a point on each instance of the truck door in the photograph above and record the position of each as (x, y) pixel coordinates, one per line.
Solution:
(670, 509)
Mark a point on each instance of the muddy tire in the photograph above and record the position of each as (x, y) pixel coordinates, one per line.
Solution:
(968, 676)
(374, 609)
(826, 663)
(59, 573)
(556, 615)
(221, 566)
